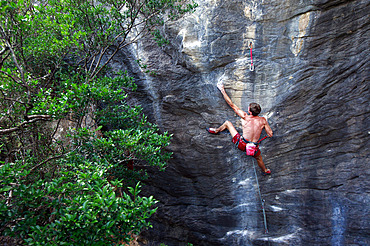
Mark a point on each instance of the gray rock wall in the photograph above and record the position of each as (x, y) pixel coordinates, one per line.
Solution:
(311, 78)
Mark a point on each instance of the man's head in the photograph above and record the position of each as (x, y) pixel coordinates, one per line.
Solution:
(254, 109)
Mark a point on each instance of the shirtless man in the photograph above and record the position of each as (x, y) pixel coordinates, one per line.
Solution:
(252, 125)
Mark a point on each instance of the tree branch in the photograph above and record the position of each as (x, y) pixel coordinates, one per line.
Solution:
(43, 162)
(33, 119)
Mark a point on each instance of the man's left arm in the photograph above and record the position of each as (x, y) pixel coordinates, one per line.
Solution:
(236, 109)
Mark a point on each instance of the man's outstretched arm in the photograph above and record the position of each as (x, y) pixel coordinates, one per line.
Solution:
(237, 110)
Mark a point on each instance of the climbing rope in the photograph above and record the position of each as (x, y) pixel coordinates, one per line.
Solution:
(262, 200)
(251, 66)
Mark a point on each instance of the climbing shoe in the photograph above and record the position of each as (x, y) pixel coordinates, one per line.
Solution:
(212, 131)
(268, 172)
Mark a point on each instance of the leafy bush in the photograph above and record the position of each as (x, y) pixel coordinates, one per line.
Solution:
(80, 207)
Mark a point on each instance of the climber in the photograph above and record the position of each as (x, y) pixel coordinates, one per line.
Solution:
(252, 125)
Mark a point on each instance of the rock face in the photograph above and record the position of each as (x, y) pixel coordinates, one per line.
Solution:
(311, 78)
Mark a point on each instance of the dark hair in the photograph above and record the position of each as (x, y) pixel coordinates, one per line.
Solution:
(255, 108)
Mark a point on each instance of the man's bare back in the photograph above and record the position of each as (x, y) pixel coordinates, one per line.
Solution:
(252, 127)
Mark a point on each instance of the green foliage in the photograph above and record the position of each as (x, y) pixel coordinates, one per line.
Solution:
(78, 207)
(48, 205)
(70, 143)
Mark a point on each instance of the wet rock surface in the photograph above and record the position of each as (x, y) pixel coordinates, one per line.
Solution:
(311, 78)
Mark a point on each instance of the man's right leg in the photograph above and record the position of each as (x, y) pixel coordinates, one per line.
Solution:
(227, 125)
(261, 164)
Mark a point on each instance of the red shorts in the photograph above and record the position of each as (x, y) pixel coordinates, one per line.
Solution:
(241, 144)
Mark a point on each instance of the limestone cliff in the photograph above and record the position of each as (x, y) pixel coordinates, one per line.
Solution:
(311, 78)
